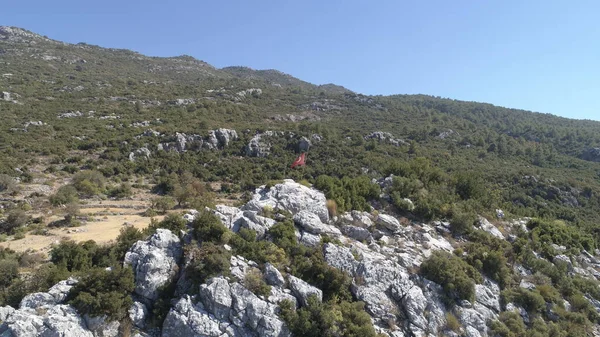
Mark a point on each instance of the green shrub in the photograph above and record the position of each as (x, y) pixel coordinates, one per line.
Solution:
(128, 236)
(530, 300)
(207, 227)
(509, 324)
(10, 271)
(456, 276)
(163, 204)
(101, 292)
(452, 322)
(7, 184)
(121, 191)
(15, 219)
(348, 193)
(255, 282)
(344, 319)
(173, 222)
(65, 195)
(89, 183)
(208, 261)
(462, 221)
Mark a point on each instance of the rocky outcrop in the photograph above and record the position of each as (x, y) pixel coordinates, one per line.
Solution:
(154, 262)
(389, 222)
(101, 326)
(303, 290)
(273, 276)
(385, 137)
(304, 144)
(215, 140)
(311, 223)
(224, 309)
(258, 146)
(44, 314)
(235, 219)
(486, 226)
(289, 196)
(138, 313)
(141, 153)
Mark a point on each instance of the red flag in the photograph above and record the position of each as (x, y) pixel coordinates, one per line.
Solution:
(300, 161)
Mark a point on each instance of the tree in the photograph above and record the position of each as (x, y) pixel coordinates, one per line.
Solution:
(15, 219)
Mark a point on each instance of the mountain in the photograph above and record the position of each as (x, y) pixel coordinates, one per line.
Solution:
(154, 196)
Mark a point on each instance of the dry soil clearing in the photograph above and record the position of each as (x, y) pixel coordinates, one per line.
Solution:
(103, 225)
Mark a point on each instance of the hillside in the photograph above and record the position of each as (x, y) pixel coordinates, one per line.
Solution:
(414, 216)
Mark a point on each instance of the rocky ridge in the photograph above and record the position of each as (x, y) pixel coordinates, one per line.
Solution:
(379, 252)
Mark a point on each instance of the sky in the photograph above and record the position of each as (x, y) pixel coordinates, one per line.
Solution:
(542, 56)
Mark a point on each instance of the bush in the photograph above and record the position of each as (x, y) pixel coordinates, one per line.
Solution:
(120, 192)
(10, 271)
(15, 219)
(207, 261)
(462, 222)
(452, 322)
(344, 319)
(207, 227)
(255, 282)
(65, 195)
(72, 256)
(348, 193)
(7, 184)
(128, 235)
(89, 183)
(173, 222)
(530, 300)
(509, 324)
(163, 204)
(101, 292)
(455, 275)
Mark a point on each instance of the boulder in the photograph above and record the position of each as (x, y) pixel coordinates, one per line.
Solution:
(37, 300)
(356, 218)
(340, 258)
(216, 297)
(389, 222)
(58, 320)
(563, 259)
(251, 220)
(272, 276)
(303, 290)
(239, 267)
(5, 312)
(154, 262)
(141, 153)
(357, 233)
(257, 147)
(289, 196)
(100, 326)
(138, 313)
(311, 223)
(225, 136)
(304, 144)
(488, 295)
(486, 226)
(186, 319)
(278, 294)
(61, 289)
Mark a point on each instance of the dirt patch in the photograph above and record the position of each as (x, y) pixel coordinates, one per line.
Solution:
(103, 226)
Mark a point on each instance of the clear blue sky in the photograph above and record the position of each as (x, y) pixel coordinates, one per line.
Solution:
(537, 55)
